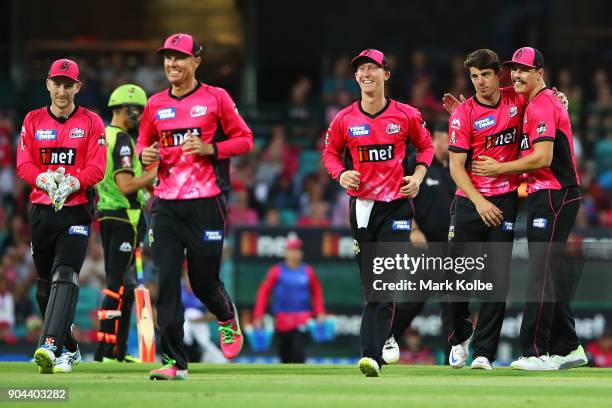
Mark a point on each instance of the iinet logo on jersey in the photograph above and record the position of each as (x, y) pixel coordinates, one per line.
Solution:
(503, 138)
(375, 153)
(58, 155)
(176, 137)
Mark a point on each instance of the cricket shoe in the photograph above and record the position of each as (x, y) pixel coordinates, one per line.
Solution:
(64, 363)
(481, 363)
(459, 354)
(369, 367)
(574, 359)
(231, 337)
(44, 357)
(390, 351)
(533, 363)
(168, 372)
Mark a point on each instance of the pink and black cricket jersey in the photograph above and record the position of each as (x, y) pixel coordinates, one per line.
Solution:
(485, 130)
(77, 143)
(208, 113)
(546, 119)
(375, 146)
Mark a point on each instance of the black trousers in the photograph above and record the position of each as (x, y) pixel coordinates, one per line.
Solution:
(548, 323)
(194, 229)
(121, 235)
(292, 346)
(58, 239)
(466, 229)
(378, 317)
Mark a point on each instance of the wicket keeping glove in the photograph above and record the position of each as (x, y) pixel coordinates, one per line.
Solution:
(49, 180)
(68, 186)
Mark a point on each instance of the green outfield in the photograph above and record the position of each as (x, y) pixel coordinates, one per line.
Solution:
(248, 386)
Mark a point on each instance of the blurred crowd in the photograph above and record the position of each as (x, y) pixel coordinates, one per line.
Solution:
(281, 182)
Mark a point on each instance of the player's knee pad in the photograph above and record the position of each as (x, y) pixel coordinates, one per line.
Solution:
(61, 307)
(42, 295)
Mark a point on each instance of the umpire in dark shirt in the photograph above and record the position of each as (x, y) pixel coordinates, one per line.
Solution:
(436, 193)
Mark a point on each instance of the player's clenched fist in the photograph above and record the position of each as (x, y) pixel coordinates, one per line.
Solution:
(411, 188)
(150, 154)
(350, 179)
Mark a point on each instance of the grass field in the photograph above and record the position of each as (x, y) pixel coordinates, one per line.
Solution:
(112, 385)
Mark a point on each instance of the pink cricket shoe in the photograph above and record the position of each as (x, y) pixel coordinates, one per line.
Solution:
(168, 372)
(231, 337)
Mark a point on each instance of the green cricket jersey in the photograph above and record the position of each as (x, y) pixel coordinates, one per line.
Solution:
(121, 156)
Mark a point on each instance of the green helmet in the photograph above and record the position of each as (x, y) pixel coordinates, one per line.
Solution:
(128, 94)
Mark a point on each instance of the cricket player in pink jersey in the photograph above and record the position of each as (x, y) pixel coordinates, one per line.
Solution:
(364, 150)
(484, 209)
(548, 336)
(191, 129)
(62, 155)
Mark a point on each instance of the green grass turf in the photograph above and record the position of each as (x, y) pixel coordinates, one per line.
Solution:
(116, 385)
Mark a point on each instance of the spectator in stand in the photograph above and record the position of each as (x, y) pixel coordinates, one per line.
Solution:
(7, 306)
(413, 350)
(150, 75)
(239, 212)
(317, 215)
(297, 297)
(300, 112)
(600, 351)
(283, 194)
(272, 217)
(340, 81)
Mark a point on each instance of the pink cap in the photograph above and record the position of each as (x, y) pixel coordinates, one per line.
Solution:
(294, 243)
(371, 55)
(182, 43)
(64, 67)
(527, 56)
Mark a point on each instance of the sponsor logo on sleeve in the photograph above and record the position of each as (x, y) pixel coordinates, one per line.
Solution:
(456, 123)
(525, 144)
(359, 130)
(401, 225)
(512, 111)
(451, 232)
(198, 110)
(126, 161)
(76, 133)
(540, 223)
(176, 137)
(508, 226)
(213, 235)
(327, 137)
(166, 113)
(453, 138)
(375, 153)
(102, 139)
(484, 123)
(79, 230)
(393, 128)
(151, 237)
(45, 134)
(58, 155)
(125, 151)
(504, 138)
(541, 129)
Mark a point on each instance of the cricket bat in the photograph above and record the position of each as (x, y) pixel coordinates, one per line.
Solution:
(144, 314)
